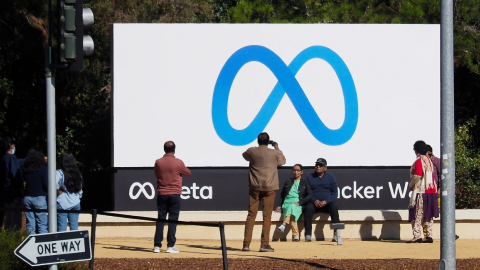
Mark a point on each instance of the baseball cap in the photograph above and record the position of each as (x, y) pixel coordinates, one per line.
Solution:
(321, 161)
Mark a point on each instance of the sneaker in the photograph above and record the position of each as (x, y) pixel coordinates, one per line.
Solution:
(308, 238)
(246, 247)
(266, 248)
(334, 238)
(281, 228)
(173, 249)
(156, 250)
(296, 239)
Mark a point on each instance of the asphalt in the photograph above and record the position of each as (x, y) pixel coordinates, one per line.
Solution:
(350, 249)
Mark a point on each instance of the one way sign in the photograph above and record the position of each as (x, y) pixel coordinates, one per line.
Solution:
(53, 248)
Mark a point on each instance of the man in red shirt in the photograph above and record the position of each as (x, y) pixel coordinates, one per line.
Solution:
(168, 171)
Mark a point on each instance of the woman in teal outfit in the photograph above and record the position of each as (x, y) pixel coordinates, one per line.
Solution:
(296, 193)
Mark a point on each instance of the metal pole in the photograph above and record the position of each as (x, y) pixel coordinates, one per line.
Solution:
(92, 237)
(448, 260)
(221, 225)
(51, 153)
(51, 141)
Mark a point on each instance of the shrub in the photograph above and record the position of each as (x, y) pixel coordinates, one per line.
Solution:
(467, 168)
(9, 241)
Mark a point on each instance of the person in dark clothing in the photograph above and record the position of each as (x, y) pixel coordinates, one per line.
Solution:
(11, 185)
(324, 188)
(35, 173)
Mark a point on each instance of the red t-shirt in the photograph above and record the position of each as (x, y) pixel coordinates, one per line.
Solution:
(169, 171)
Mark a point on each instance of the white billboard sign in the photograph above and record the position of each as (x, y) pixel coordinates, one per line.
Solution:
(357, 95)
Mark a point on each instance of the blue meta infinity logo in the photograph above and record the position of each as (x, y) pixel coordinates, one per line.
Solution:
(286, 84)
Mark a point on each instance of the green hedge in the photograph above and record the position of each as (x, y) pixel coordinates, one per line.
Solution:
(467, 168)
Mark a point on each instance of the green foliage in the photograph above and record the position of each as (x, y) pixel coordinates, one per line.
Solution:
(467, 34)
(332, 11)
(10, 240)
(71, 266)
(257, 11)
(6, 93)
(21, 61)
(467, 168)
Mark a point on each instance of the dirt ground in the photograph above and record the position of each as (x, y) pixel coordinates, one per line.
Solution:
(272, 264)
(136, 253)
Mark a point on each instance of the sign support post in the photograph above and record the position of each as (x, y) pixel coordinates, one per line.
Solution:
(448, 260)
(51, 133)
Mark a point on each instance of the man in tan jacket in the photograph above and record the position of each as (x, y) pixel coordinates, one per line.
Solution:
(263, 184)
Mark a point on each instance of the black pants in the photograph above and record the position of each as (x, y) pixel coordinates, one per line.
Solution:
(310, 209)
(167, 204)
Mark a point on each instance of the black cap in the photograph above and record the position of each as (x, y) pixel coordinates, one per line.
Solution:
(321, 161)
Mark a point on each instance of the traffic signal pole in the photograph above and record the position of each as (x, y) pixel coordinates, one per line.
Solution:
(72, 47)
(51, 133)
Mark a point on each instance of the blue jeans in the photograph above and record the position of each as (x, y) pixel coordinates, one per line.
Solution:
(72, 219)
(36, 220)
(167, 204)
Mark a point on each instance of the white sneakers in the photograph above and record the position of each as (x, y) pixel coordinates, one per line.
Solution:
(169, 250)
(172, 250)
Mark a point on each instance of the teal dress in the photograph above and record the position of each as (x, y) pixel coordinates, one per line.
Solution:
(288, 207)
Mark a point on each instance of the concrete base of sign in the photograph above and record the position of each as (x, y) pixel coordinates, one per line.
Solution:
(364, 225)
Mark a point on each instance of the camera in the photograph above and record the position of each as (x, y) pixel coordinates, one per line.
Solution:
(271, 142)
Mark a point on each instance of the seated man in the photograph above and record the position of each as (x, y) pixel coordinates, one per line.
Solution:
(324, 188)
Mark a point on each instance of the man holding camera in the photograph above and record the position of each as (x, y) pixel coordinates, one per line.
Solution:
(263, 175)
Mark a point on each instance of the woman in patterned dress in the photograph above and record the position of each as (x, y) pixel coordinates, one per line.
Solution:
(296, 193)
(423, 206)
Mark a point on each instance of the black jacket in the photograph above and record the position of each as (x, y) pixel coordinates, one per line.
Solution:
(305, 193)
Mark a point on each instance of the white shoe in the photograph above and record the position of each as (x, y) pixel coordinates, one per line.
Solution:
(334, 238)
(173, 249)
(156, 250)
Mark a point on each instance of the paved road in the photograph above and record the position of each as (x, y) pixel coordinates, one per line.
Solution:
(351, 249)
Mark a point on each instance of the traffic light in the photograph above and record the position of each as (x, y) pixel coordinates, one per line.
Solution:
(73, 45)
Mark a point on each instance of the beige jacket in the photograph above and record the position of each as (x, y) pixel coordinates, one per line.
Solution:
(263, 167)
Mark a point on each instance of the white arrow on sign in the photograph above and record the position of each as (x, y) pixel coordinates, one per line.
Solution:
(33, 250)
